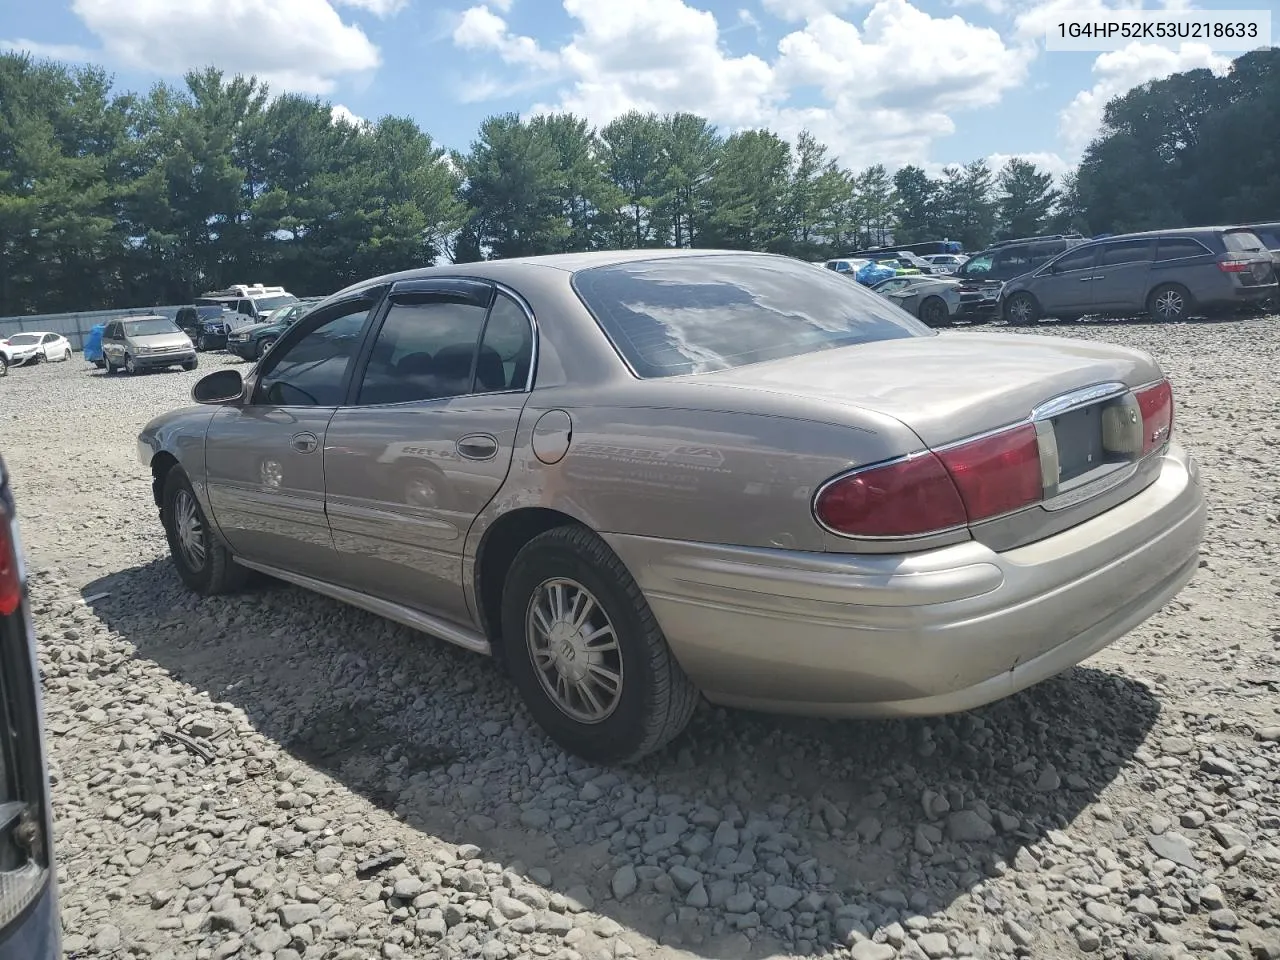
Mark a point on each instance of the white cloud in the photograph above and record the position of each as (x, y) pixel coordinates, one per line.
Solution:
(889, 83)
(299, 45)
(66, 52)
(343, 114)
(800, 10)
(1052, 163)
(379, 8)
(1118, 71)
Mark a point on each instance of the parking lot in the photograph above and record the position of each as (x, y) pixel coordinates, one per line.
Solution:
(275, 775)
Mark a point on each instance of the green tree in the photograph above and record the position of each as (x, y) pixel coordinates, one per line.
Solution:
(748, 193)
(690, 148)
(918, 198)
(817, 190)
(632, 148)
(967, 205)
(1026, 199)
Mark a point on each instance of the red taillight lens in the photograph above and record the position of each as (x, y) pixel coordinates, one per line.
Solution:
(900, 499)
(1156, 404)
(10, 585)
(1234, 266)
(997, 474)
(924, 494)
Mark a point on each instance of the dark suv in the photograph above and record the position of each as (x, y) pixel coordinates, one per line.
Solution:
(1168, 274)
(984, 275)
(29, 925)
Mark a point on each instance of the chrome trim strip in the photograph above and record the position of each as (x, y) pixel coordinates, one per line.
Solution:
(1085, 397)
(464, 637)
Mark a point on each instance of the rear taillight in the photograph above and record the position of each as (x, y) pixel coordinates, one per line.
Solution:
(966, 483)
(10, 576)
(1156, 404)
(997, 474)
(1234, 266)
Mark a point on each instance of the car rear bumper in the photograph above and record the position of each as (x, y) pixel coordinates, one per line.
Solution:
(917, 634)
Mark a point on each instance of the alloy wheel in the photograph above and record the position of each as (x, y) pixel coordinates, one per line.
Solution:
(190, 530)
(574, 649)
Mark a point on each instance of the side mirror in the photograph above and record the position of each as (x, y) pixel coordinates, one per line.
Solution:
(221, 386)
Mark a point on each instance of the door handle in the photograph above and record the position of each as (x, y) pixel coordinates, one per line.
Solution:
(304, 442)
(477, 446)
(1087, 279)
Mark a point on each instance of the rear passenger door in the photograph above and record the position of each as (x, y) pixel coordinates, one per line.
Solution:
(426, 438)
(1120, 276)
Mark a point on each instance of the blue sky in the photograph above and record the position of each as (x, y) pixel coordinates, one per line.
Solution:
(890, 81)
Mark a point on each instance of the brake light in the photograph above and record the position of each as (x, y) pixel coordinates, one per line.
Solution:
(905, 498)
(1234, 266)
(1156, 404)
(10, 583)
(997, 474)
(931, 492)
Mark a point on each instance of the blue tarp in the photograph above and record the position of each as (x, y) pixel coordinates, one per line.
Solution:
(873, 273)
(93, 343)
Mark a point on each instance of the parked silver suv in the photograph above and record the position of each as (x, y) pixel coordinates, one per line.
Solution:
(1168, 274)
(134, 344)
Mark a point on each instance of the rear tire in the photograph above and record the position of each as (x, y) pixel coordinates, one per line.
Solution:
(934, 313)
(652, 699)
(4, 366)
(100, 364)
(1169, 303)
(1021, 310)
(203, 563)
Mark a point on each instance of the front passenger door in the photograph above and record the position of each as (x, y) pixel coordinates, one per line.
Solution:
(1063, 286)
(1120, 277)
(265, 458)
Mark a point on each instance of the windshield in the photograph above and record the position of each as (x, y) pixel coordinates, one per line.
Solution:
(22, 339)
(697, 314)
(266, 304)
(1242, 241)
(977, 266)
(148, 328)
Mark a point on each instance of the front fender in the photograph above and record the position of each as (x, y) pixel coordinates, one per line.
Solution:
(179, 435)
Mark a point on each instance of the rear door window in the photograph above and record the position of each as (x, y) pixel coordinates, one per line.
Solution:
(1269, 236)
(1080, 258)
(697, 314)
(1126, 251)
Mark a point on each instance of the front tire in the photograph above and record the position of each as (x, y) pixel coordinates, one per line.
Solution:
(264, 345)
(130, 365)
(66, 355)
(203, 563)
(191, 364)
(1169, 302)
(1021, 310)
(586, 653)
(4, 366)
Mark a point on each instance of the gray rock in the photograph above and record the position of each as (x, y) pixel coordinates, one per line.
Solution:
(1218, 766)
(292, 914)
(1211, 897)
(1105, 913)
(685, 878)
(934, 945)
(1175, 847)
(870, 950)
(967, 826)
(624, 882)
(782, 897)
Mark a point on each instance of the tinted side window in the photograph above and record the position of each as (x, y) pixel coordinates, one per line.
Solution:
(1179, 248)
(977, 266)
(310, 372)
(506, 351)
(1270, 237)
(426, 350)
(1078, 259)
(1125, 251)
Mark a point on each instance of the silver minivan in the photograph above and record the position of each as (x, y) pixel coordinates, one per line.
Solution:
(134, 344)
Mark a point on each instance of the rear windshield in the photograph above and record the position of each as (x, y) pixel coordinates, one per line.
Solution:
(148, 328)
(696, 314)
(1242, 241)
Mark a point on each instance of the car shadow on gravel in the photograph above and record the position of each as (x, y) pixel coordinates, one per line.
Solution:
(838, 827)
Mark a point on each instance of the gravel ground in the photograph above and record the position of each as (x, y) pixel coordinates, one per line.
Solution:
(275, 775)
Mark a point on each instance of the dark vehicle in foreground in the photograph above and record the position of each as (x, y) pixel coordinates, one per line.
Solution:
(1167, 274)
(984, 275)
(135, 344)
(643, 477)
(29, 925)
(252, 340)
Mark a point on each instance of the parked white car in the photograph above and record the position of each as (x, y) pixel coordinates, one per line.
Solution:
(33, 347)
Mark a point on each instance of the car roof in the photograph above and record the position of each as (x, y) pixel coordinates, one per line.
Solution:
(514, 268)
(144, 316)
(1174, 232)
